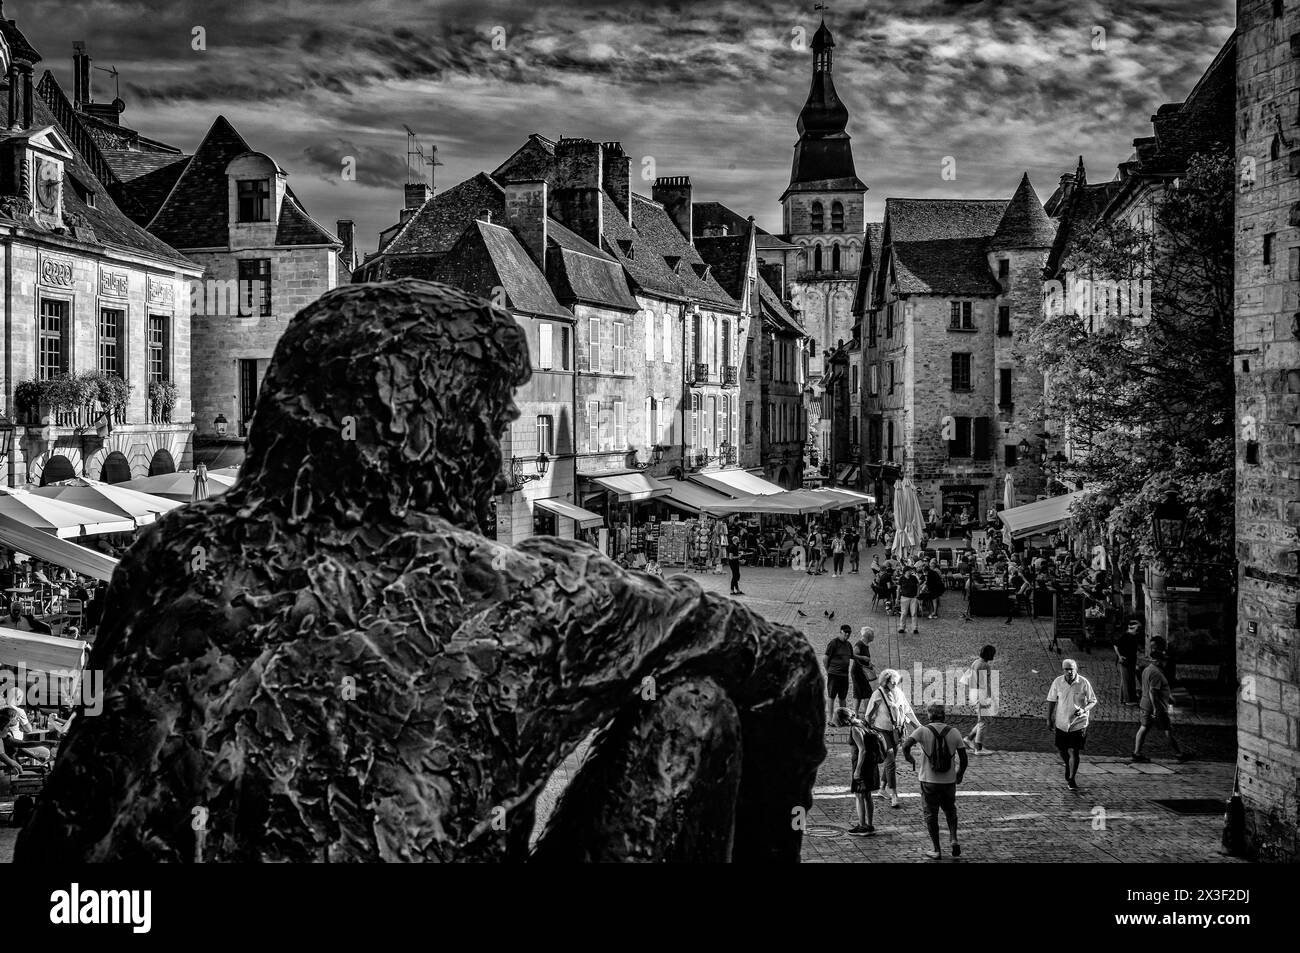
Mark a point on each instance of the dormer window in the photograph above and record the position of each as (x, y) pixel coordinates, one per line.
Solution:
(254, 200)
(625, 248)
(672, 261)
(84, 195)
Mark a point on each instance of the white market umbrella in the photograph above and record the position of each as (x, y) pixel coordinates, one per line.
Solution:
(111, 498)
(177, 486)
(909, 524)
(1008, 503)
(788, 502)
(60, 518)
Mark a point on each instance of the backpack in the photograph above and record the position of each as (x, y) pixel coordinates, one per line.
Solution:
(876, 746)
(941, 760)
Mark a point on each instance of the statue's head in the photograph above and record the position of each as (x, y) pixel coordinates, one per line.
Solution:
(384, 398)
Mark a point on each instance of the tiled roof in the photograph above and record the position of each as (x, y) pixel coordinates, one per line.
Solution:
(871, 255)
(439, 222)
(938, 245)
(1079, 213)
(533, 161)
(147, 178)
(729, 257)
(296, 227)
(196, 213)
(580, 271)
(655, 242)
(775, 311)
(104, 223)
(1024, 223)
(706, 215)
(1202, 123)
(489, 255)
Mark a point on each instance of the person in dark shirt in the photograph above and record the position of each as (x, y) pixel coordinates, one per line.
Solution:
(1126, 655)
(839, 655)
(1156, 702)
(909, 584)
(733, 560)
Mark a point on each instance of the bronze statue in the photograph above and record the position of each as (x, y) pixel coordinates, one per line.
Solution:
(331, 663)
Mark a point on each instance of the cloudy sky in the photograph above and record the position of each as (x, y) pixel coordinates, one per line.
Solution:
(707, 89)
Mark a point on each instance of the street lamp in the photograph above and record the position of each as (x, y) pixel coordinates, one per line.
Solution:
(220, 424)
(1024, 448)
(1169, 522)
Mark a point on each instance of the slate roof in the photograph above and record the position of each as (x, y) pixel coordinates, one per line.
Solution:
(938, 246)
(105, 223)
(654, 241)
(729, 257)
(147, 177)
(1024, 223)
(19, 48)
(775, 312)
(711, 214)
(1079, 213)
(533, 161)
(1204, 122)
(489, 255)
(871, 255)
(296, 227)
(579, 271)
(439, 222)
(196, 212)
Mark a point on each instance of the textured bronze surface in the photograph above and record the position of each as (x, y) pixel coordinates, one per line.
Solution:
(331, 663)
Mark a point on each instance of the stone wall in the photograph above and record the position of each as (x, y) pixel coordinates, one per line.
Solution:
(1267, 366)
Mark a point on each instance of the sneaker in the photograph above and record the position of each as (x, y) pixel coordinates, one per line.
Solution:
(956, 849)
(893, 800)
(1071, 784)
(916, 631)
(737, 593)
(870, 829)
(932, 854)
(859, 830)
(1139, 759)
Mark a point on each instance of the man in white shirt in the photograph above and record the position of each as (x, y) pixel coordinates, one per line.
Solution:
(1069, 701)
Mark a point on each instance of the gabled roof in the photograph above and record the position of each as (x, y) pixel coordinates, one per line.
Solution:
(1080, 211)
(146, 177)
(487, 256)
(104, 223)
(19, 48)
(870, 255)
(581, 272)
(534, 161)
(439, 222)
(775, 314)
(296, 227)
(1024, 223)
(938, 246)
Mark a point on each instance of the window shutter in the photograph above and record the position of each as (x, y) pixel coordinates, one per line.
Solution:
(982, 448)
(668, 339)
(649, 335)
(593, 426)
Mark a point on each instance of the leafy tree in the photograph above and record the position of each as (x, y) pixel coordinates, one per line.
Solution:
(1142, 382)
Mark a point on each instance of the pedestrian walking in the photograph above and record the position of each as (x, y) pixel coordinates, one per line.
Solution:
(978, 682)
(837, 554)
(934, 588)
(814, 551)
(1157, 699)
(909, 587)
(839, 655)
(863, 671)
(851, 542)
(890, 713)
(1126, 657)
(733, 560)
(1069, 701)
(868, 750)
(943, 766)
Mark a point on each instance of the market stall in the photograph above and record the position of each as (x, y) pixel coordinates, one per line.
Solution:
(113, 499)
(1039, 517)
(178, 486)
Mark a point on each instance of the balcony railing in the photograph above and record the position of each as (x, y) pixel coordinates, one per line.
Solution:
(730, 374)
(700, 373)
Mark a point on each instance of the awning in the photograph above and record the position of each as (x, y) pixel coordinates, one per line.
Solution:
(114, 499)
(178, 486)
(788, 502)
(51, 548)
(849, 497)
(736, 483)
(1041, 516)
(691, 497)
(41, 653)
(630, 487)
(216, 456)
(584, 518)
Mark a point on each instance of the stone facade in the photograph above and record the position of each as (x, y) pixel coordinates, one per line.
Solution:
(1267, 365)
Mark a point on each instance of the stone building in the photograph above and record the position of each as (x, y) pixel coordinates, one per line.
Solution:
(86, 291)
(948, 401)
(1267, 370)
(824, 221)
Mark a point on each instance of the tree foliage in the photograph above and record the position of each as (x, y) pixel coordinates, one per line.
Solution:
(1144, 389)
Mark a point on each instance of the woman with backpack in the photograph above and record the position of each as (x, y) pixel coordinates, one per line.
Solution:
(890, 713)
(868, 749)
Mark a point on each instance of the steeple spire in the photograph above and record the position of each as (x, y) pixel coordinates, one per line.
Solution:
(823, 153)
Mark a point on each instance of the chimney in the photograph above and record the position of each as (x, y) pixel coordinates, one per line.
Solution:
(674, 194)
(616, 167)
(576, 199)
(80, 75)
(526, 215)
(347, 233)
(417, 193)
